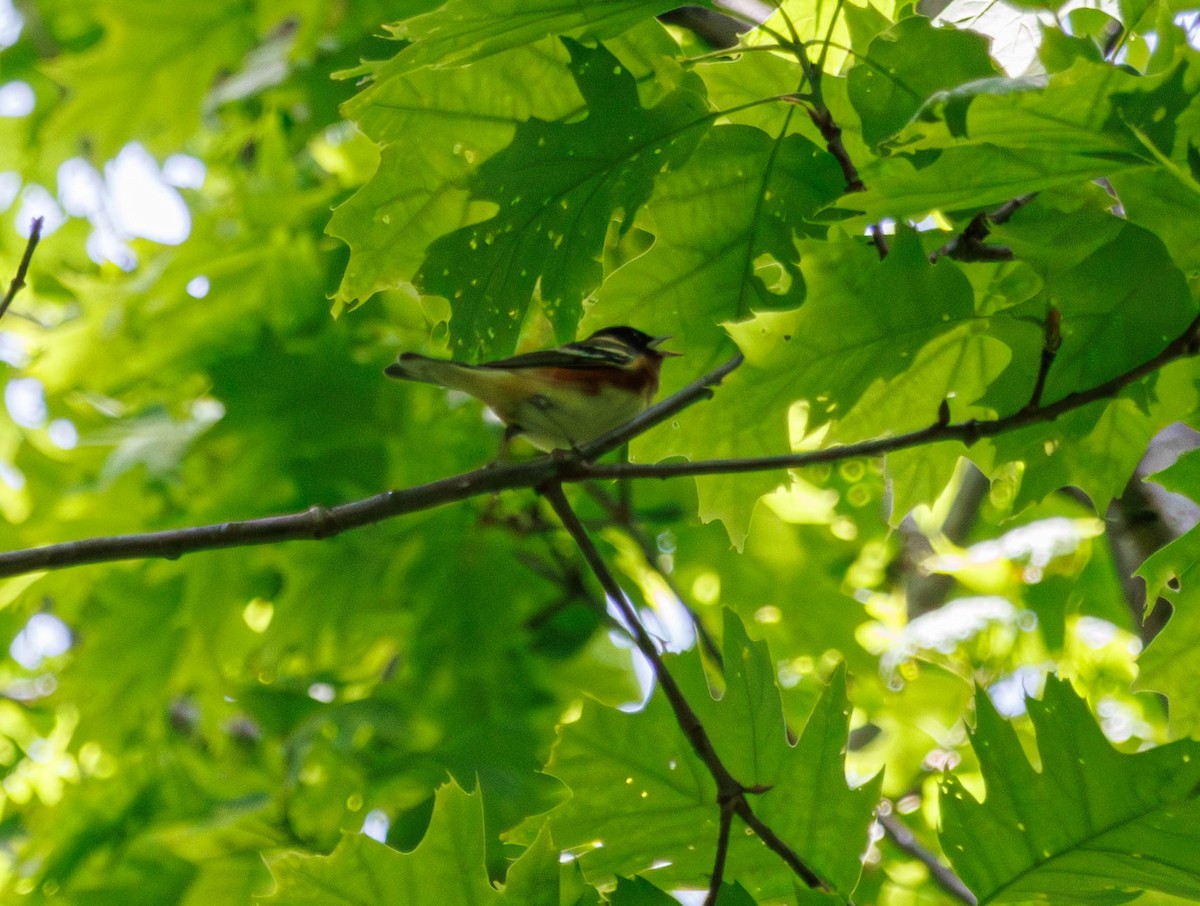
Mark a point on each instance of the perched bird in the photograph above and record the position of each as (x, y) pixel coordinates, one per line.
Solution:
(560, 398)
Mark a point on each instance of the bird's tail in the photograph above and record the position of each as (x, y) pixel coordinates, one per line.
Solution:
(413, 367)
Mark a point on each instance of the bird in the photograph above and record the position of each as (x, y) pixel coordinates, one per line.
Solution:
(557, 399)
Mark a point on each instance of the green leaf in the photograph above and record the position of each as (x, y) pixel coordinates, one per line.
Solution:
(724, 227)
(639, 892)
(461, 31)
(434, 128)
(641, 794)
(866, 321)
(895, 79)
(1173, 572)
(556, 190)
(1154, 199)
(450, 860)
(997, 139)
(1154, 113)
(1092, 826)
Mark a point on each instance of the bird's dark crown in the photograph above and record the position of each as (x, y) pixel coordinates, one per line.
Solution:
(630, 336)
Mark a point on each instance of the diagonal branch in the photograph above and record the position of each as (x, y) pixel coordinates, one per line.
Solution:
(623, 516)
(320, 522)
(324, 522)
(906, 840)
(968, 432)
(731, 795)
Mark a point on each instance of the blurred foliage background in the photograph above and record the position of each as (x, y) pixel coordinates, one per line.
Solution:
(251, 206)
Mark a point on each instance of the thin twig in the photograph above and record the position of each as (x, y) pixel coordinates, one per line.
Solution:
(622, 515)
(718, 870)
(942, 875)
(968, 245)
(1053, 340)
(730, 793)
(879, 240)
(18, 280)
(319, 522)
(775, 844)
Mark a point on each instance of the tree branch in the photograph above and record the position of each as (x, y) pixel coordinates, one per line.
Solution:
(906, 840)
(968, 245)
(718, 871)
(731, 795)
(319, 522)
(18, 280)
(622, 515)
(968, 432)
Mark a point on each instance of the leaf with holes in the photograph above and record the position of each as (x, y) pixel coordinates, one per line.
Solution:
(557, 189)
(1092, 826)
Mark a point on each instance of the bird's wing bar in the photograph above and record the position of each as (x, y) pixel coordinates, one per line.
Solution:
(573, 355)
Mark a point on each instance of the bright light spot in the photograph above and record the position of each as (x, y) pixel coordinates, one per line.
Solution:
(16, 99)
(184, 171)
(11, 476)
(642, 671)
(45, 635)
(197, 287)
(25, 402)
(671, 622)
(706, 588)
(10, 185)
(1118, 722)
(105, 245)
(37, 202)
(1009, 693)
(11, 22)
(142, 203)
(768, 615)
(1094, 632)
(257, 615)
(376, 825)
(944, 629)
(208, 411)
(12, 350)
(63, 434)
(322, 692)
(80, 188)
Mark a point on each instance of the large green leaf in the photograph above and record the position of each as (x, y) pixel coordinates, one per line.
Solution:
(894, 79)
(996, 139)
(1172, 572)
(434, 128)
(1092, 826)
(449, 860)
(556, 189)
(643, 798)
(464, 30)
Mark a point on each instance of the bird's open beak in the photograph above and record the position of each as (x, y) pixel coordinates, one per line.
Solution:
(665, 353)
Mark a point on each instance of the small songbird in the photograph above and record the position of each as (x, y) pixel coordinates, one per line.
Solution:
(557, 399)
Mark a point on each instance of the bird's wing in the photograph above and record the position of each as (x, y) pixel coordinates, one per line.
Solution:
(573, 355)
